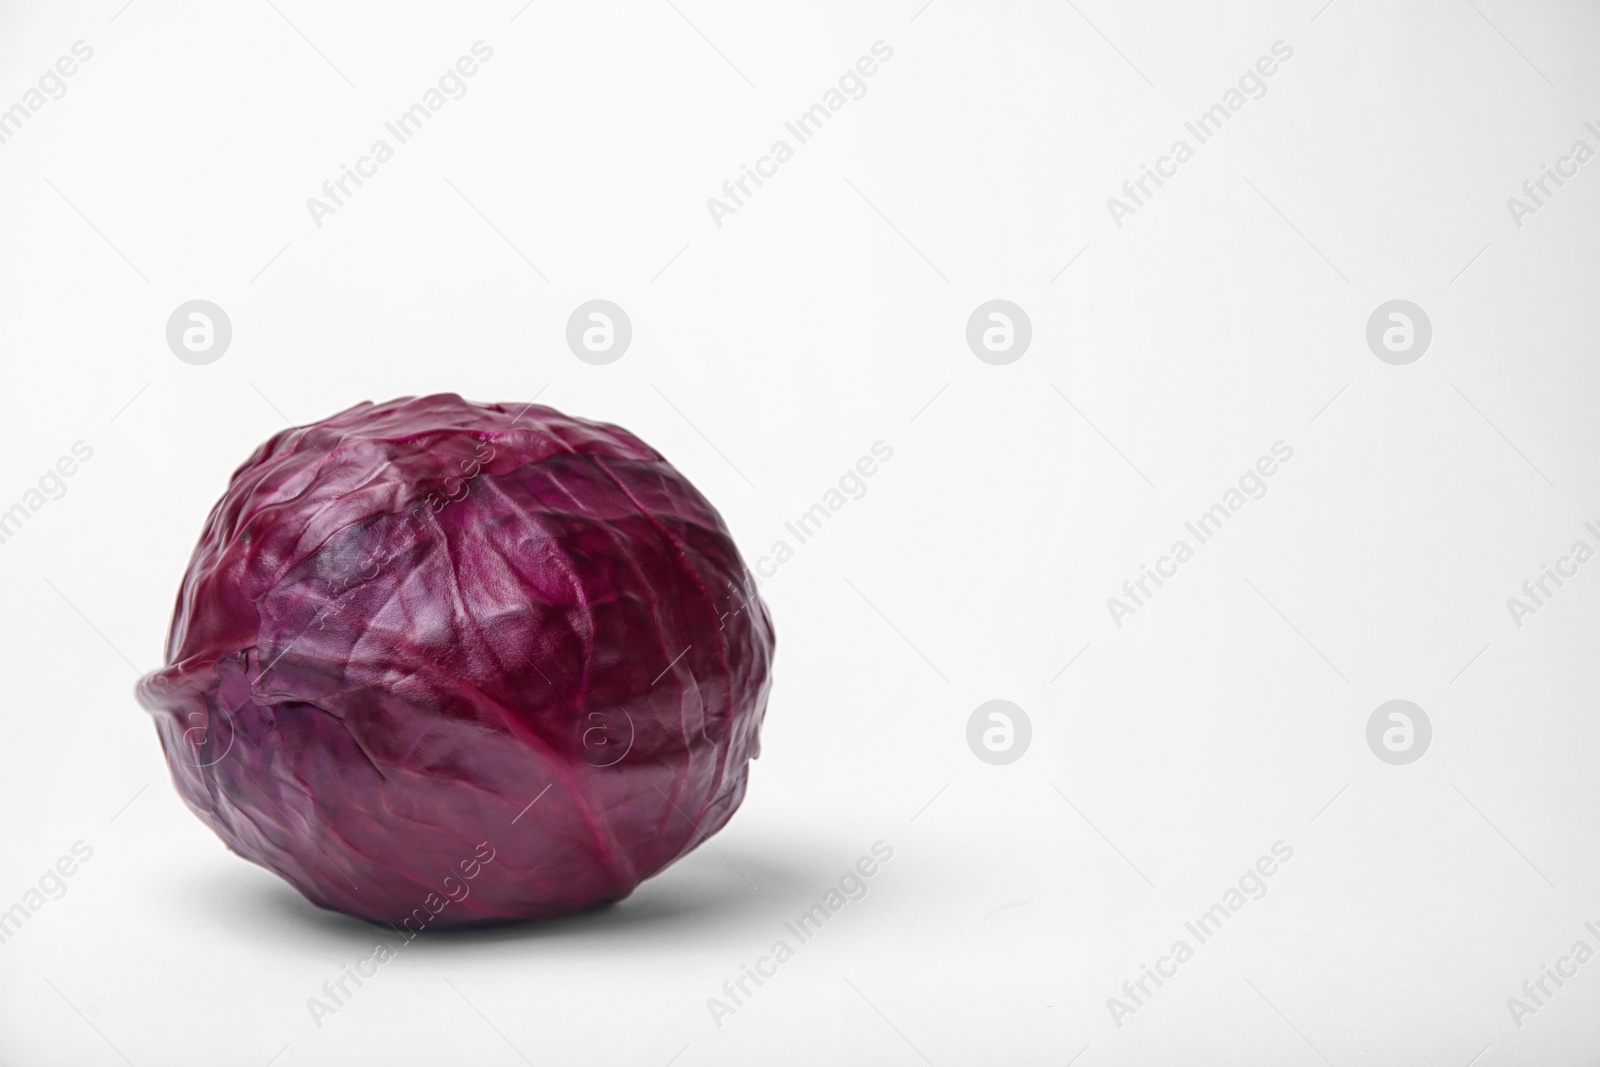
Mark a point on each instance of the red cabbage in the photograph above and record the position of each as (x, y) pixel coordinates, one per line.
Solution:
(407, 623)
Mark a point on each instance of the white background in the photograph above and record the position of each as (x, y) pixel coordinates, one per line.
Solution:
(1227, 314)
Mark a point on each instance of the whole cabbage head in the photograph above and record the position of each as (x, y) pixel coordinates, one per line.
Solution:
(438, 663)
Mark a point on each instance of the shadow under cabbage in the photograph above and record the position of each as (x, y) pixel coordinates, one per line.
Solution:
(706, 887)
